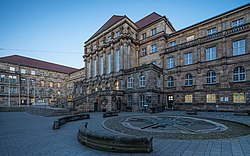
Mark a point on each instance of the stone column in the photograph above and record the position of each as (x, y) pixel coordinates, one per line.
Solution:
(121, 56)
(125, 55)
(128, 58)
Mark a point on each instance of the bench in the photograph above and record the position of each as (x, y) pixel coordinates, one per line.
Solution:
(113, 143)
(63, 120)
(110, 114)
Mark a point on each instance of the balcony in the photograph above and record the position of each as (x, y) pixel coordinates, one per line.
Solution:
(208, 38)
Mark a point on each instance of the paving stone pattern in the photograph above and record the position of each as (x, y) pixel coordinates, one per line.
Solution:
(25, 134)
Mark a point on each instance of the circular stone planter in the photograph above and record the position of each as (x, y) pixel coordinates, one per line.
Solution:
(176, 127)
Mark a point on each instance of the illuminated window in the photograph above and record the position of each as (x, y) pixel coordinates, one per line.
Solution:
(239, 98)
(58, 85)
(42, 83)
(58, 92)
(189, 98)
(51, 84)
(116, 85)
(211, 98)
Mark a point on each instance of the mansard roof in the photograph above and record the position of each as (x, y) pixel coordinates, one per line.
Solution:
(112, 21)
(147, 20)
(30, 62)
(139, 24)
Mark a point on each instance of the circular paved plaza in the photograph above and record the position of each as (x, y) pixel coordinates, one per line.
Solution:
(25, 134)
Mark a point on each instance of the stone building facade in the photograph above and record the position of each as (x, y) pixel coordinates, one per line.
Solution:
(148, 65)
(27, 81)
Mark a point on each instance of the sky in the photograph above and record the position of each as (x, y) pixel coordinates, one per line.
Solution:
(55, 30)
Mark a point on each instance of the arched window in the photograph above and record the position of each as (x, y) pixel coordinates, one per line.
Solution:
(170, 81)
(107, 86)
(130, 82)
(142, 81)
(188, 80)
(116, 85)
(239, 74)
(99, 87)
(211, 77)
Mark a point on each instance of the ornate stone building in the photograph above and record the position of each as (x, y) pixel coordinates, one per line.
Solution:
(26, 81)
(148, 65)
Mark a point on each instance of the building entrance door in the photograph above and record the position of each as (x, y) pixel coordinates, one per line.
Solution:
(95, 106)
(170, 99)
(118, 103)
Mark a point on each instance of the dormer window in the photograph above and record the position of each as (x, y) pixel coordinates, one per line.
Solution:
(190, 38)
(153, 31)
(118, 34)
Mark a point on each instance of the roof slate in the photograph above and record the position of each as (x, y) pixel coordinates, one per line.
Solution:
(147, 20)
(25, 61)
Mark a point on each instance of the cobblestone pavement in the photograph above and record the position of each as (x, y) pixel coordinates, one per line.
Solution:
(25, 134)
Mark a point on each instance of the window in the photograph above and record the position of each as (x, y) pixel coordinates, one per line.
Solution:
(32, 72)
(42, 73)
(239, 98)
(239, 47)
(95, 46)
(170, 62)
(89, 69)
(2, 89)
(144, 51)
(189, 98)
(153, 31)
(188, 80)
(12, 79)
(153, 47)
(116, 85)
(154, 62)
(211, 77)
(158, 82)
(118, 34)
(23, 80)
(42, 83)
(170, 81)
(238, 22)
(109, 63)
(102, 67)
(142, 101)
(109, 38)
(102, 42)
(2, 78)
(190, 38)
(144, 36)
(51, 84)
(211, 31)
(130, 82)
(173, 43)
(239, 74)
(142, 81)
(211, 98)
(12, 69)
(58, 92)
(23, 71)
(188, 58)
(107, 86)
(95, 71)
(58, 85)
(117, 60)
(130, 100)
(210, 53)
